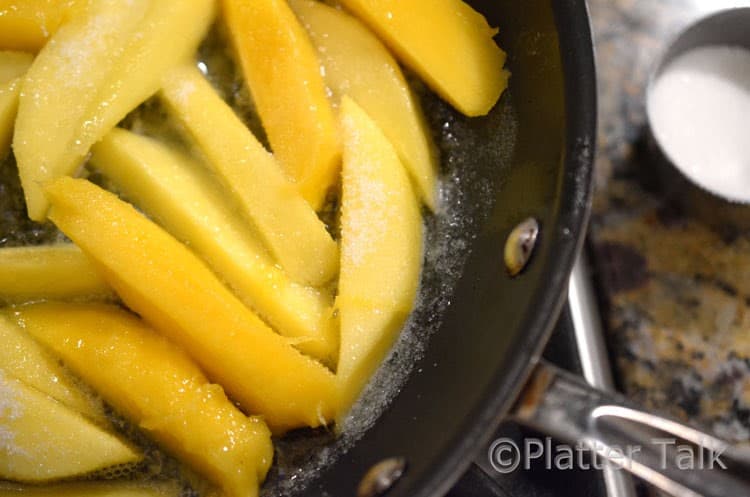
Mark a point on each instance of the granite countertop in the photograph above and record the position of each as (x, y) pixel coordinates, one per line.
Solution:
(675, 291)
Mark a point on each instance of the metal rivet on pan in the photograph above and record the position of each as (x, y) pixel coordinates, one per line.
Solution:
(520, 245)
(381, 477)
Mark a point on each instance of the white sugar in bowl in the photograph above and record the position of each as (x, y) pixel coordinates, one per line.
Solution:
(698, 109)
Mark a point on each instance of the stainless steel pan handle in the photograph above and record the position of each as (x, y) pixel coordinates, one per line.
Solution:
(592, 351)
(676, 458)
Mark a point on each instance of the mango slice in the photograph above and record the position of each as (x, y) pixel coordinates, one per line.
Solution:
(174, 291)
(44, 440)
(12, 66)
(283, 74)
(381, 250)
(28, 24)
(51, 115)
(95, 69)
(49, 271)
(157, 387)
(26, 360)
(8, 108)
(147, 58)
(178, 193)
(91, 489)
(357, 64)
(446, 42)
(288, 225)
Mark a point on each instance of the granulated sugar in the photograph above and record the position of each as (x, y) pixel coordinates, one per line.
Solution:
(699, 108)
(10, 409)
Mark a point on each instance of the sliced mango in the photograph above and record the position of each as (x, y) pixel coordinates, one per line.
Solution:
(43, 440)
(446, 42)
(28, 24)
(288, 225)
(155, 385)
(357, 64)
(381, 250)
(8, 108)
(179, 194)
(12, 66)
(95, 69)
(168, 36)
(26, 360)
(174, 291)
(49, 271)
(91, 489)
(61, 90)
(283, 74)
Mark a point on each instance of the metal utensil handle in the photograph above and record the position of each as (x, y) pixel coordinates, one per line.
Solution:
(672, 456)
(592, 351)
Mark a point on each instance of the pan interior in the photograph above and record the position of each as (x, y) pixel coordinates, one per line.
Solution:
(472, 335)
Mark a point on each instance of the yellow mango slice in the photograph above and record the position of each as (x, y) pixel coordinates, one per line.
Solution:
(381, 250)
(49, 271)
(174, 291)
(61, 90)
(175, 191)
(148, 57)
(95, 69)
(28, 24)
(8, 108)
(43, 440)
(12, 66)
(26, 360)
(357, 64)
(155, 385)
(91, 489)
(288, 225)
(446, 42)
(283, 74)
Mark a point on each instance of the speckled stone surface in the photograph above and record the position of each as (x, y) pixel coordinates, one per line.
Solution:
(675, 292)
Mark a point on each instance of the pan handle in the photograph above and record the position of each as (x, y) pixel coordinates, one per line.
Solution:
(678, 459)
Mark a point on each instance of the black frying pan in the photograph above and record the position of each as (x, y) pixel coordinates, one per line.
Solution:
(474, 337)
(469, 356)
(531, 157)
